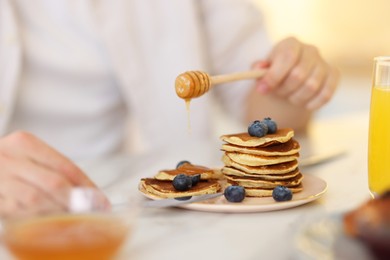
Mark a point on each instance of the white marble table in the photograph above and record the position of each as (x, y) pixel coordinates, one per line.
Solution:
(178, 233)
(174, 233)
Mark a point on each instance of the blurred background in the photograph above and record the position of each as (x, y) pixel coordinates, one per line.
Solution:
(348, 33)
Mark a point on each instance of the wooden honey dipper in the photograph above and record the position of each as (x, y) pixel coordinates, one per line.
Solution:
(192, 84)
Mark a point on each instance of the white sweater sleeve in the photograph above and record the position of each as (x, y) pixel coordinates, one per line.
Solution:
(236, 38)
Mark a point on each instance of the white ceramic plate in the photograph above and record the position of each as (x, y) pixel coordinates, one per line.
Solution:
(313, 188)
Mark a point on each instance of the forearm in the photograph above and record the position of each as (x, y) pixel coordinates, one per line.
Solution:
(283, 112)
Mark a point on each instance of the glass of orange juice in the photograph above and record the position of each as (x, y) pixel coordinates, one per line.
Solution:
(87, 228)
(379, 128)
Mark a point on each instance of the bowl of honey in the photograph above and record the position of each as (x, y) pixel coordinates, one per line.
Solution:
(89, 227)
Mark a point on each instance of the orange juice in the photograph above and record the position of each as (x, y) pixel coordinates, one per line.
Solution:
(77, 237)
(379, 141)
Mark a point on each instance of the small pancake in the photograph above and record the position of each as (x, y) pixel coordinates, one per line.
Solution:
(258, 182)
(288, 148)
(245, 140)
(260, 192)
(235, 172)
(259, 160)
(188, 169)
(279, 168)
(165, 189)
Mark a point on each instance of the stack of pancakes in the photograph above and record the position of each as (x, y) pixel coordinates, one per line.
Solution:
(161, 186)
(259, 164)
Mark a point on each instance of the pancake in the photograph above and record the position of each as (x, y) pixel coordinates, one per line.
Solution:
(235, 172)
(259, 160)
(245, 140)
(279, 168)
(257, 182)
(259, 164)
(288, 148)
(261, 192)
(165, 189)
(188, 169)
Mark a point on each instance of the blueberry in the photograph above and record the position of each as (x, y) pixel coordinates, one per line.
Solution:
(257, 128)
(195, 179)
(272, 127)
(182, 163)
(282, 193)
(182, 182)
(234, 193)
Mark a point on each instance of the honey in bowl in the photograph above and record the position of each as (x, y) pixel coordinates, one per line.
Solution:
(89, 227)
(63, 237)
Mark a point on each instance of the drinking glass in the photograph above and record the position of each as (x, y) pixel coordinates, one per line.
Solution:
(379, 128)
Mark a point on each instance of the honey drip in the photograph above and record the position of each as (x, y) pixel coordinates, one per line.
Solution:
(188, 101)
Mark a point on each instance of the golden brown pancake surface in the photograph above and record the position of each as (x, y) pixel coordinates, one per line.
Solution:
(288, 148)
(187, 169)
(279, 168)
(259, 160)
(245, 140)
(253, 182)
(231, 171)
(165, 189)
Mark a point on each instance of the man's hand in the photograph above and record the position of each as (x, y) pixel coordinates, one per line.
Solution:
(34, 176)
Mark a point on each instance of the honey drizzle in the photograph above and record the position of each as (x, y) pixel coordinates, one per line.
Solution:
(188, 101)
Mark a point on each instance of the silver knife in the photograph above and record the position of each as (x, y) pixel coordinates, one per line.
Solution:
(321, 158)
(162, 203)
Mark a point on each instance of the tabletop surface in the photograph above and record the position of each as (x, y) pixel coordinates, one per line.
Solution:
(175, 233)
